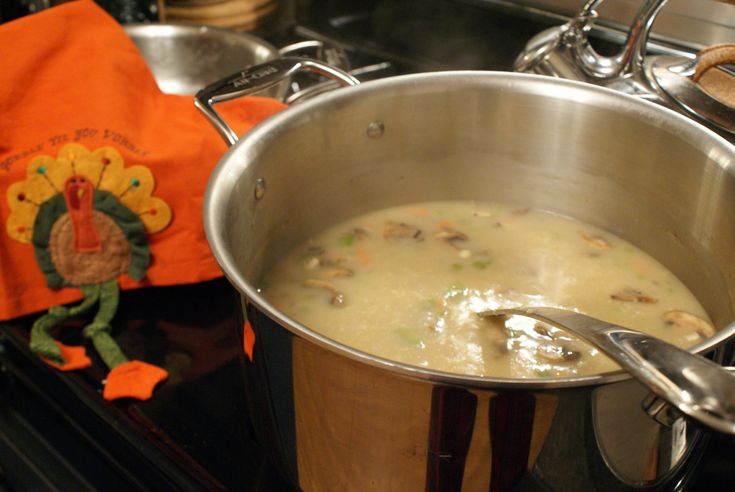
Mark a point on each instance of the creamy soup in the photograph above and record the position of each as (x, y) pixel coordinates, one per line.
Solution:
(407, 284)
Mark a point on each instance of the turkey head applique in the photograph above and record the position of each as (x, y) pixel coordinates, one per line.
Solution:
(88, 218)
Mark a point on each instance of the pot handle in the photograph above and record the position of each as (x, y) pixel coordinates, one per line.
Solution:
(314, 48)
(664, 412)
(258, 78)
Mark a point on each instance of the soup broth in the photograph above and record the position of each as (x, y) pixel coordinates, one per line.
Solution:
(407, 284)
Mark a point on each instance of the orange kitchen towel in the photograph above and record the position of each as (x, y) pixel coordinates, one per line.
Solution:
(73, 83)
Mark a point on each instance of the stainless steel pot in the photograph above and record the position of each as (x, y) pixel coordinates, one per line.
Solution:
(186, 58)
(335, 418)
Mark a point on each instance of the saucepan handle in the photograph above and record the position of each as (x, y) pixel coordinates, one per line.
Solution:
(256, 79)
(314, 48)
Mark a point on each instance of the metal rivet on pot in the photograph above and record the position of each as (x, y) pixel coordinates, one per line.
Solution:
(259, 188)
(375, 129)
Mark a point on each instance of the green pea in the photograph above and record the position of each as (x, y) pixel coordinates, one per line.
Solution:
(347, 239)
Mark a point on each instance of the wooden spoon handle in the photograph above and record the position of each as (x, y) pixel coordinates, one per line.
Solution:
(715, 55)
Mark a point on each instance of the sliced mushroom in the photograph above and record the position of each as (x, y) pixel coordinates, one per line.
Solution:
(633, 295)
(596, 241)
(339, 272)
(451, 236)
(688, 321)
(543, 331)
(557, 353)
(311, 258)
(315, 250)
(399, 230)
(337, 299)
(319, 255)
(328, 261)
(360, 233)
(497, 320)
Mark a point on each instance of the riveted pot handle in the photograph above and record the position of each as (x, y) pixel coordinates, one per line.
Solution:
(256, 79)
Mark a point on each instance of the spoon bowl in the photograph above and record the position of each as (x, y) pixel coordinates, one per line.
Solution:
(693, 384)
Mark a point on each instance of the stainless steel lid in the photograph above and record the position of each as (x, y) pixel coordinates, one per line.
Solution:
(682, 80)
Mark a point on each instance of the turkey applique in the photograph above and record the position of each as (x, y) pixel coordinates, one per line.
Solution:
(88, 218)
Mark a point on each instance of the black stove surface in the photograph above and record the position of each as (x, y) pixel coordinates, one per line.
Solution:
(55, 429)
(191, 435)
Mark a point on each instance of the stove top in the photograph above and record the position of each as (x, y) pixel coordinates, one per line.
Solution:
(55, 429)
(419, 35)
(190, 436)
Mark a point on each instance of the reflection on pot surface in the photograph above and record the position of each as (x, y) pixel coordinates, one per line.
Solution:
(335, 418)
(343, 425)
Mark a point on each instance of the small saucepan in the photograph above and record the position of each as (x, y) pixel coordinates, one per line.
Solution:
(186, 58)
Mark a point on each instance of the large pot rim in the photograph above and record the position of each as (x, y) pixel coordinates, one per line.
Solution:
(237, 158)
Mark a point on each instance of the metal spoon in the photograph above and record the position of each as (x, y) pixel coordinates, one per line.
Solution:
(696, 386)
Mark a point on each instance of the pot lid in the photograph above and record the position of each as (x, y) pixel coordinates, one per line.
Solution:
(699, 86)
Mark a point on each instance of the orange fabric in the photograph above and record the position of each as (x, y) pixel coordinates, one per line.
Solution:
(248, 340)
(70, 74)
(74, 358)
(133, 379)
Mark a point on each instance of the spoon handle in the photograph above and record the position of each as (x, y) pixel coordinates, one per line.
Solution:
(696, 386)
